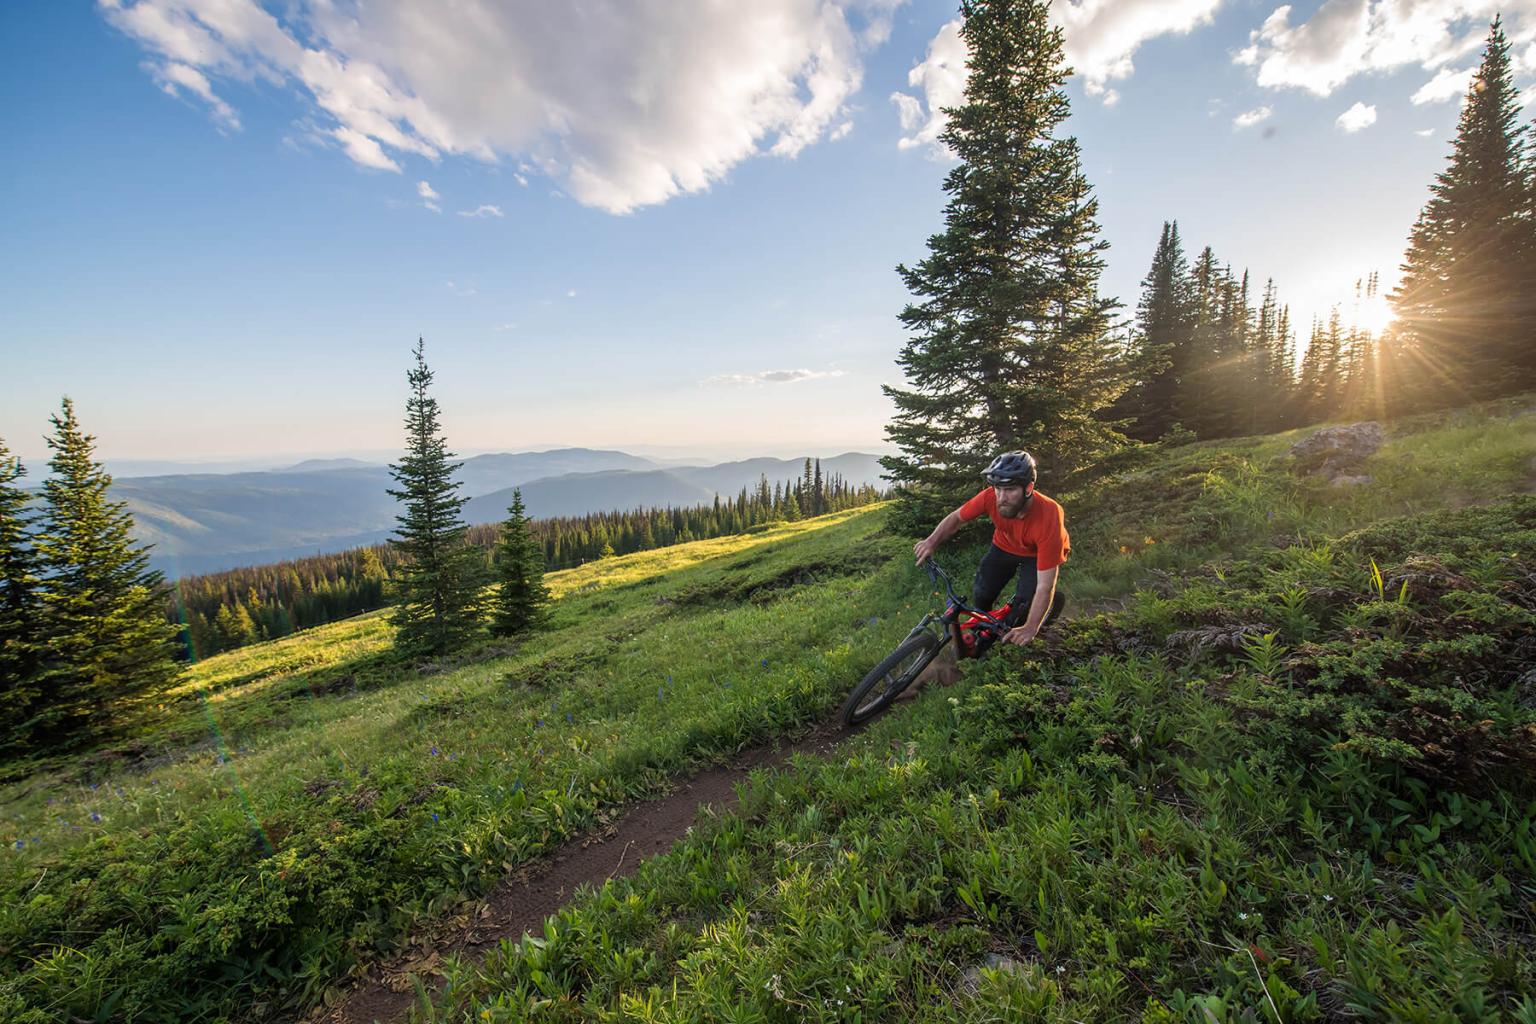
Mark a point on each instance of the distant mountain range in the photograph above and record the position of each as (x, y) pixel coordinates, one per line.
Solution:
(204, 522)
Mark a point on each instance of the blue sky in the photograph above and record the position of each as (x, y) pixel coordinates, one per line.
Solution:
(688, 216)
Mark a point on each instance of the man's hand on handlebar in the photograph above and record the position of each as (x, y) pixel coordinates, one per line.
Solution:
(924, 549)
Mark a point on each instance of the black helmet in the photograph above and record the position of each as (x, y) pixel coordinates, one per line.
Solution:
(1011, 468)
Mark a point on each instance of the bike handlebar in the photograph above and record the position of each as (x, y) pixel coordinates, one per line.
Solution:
(936, 573)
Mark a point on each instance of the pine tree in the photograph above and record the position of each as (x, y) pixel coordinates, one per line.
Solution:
(1009, 345)
(1464, 303)
(109, 645)
(1199, 404)
(520, 603)
(20, 602)
(438, 584)
(1160, 347)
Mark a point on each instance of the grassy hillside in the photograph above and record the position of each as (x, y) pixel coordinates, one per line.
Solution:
(310, 798)
(1219, 791)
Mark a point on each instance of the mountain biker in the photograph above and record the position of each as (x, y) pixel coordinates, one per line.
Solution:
(1029, 538)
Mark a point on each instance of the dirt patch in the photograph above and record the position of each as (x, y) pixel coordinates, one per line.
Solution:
(534, 892)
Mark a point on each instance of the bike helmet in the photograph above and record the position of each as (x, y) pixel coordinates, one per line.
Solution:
(1011, 468)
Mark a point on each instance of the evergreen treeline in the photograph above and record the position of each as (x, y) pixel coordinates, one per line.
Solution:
(1010, 346)
(225, 610)
(83, 643)
(1205, 360)
(570, 541)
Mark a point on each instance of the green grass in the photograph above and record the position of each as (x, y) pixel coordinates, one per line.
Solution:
(333, 797)
(1150, 819)
(297, 807)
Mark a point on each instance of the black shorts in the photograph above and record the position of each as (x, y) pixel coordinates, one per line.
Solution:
(993, 574)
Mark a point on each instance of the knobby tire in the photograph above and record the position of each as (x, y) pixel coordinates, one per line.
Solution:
(887, 679)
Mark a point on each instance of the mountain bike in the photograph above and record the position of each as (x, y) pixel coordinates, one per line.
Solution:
(972, 630)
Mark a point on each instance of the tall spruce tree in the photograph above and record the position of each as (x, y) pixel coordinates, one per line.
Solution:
(20, 602)
(1161, 340)
(521, 602)
(438, 600)
(108, 645)
(1009, 342)
(1464, 304)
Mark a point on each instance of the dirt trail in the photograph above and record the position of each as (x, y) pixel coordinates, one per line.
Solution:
(524, 899)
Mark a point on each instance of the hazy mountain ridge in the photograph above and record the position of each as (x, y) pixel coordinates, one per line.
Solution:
(204, 522)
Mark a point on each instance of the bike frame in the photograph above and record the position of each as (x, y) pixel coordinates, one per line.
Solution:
(980, 622)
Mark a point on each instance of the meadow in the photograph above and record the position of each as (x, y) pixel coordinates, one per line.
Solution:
(1205, 798)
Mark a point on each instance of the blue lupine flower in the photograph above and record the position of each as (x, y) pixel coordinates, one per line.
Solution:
(568, 716)
(538, 723)
(434, 815)
(434, 751)
(669, 679)
(20, 844)
(517, 785)
(95, 816)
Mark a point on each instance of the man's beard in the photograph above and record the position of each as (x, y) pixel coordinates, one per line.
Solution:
(1015, 510)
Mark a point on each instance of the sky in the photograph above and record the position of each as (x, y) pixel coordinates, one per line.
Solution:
(666, 226)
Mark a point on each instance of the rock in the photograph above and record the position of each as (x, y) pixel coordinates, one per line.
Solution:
(1525, 690)
(970, 981)
(1334, 453)
(1195, 644)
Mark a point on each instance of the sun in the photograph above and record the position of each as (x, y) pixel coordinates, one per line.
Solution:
(1374, 314)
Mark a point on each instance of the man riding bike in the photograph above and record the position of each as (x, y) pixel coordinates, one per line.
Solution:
(1029, 538)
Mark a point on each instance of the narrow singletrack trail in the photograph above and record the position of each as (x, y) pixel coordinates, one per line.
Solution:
(535, 891)
(521, 902)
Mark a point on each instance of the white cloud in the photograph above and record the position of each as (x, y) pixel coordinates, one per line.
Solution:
(1424, 133)
(571, 294)
(768, 377)
(624, 104)
(1447, 84)
(174, 77)
(1252, 117)
(1100, 37)
(483, 210)
(429, 196)
(941, 76)
(1345, 38)
(1357, 117)
(363, 149)
(464, 290)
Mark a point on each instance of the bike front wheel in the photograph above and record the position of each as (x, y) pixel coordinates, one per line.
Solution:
(887, 679)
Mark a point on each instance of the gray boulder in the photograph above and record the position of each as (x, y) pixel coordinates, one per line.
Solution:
(1337, 453)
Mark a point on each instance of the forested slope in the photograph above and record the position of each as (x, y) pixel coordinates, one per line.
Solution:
(1285, 771)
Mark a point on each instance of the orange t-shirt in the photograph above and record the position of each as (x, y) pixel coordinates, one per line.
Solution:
(1040, 534)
